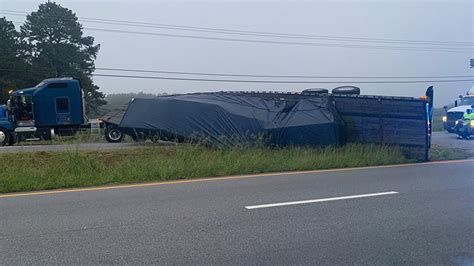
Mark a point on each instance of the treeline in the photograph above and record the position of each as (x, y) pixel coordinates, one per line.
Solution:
(117, 100)
(49, 44)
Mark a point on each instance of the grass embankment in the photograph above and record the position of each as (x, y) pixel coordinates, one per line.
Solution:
(438, 153)
(48, 170)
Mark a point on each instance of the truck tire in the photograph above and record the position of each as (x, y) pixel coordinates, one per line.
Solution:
(113, 134)
(314, 91)
(346, 90)
(4, 137)
(47, 134)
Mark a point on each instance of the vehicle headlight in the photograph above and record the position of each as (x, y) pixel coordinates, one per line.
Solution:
(445, 118)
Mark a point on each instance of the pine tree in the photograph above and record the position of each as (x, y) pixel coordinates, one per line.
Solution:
(58, 48)
(13, 67)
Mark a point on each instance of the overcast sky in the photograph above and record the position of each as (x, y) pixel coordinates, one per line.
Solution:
(449, 20)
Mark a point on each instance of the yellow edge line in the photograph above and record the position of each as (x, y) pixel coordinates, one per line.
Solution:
(59, 191)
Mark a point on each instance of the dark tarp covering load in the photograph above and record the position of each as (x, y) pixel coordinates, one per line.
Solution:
(233, 118)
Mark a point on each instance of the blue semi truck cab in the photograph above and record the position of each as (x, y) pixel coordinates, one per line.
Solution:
(53, 107)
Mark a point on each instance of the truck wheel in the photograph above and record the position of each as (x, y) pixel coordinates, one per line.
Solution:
(4, 137)
(47, 134)
(113, 135)
(314, 91)
(346, 90)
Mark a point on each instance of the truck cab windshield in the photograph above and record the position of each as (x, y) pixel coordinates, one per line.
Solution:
(467, 101)
(22, 107)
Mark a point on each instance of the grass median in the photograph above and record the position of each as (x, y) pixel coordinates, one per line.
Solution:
(52, 170)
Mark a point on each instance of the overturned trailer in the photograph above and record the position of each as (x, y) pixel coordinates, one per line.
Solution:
(231, 118)
(312, 118)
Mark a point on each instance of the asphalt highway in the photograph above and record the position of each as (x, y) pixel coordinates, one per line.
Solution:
(412, 214)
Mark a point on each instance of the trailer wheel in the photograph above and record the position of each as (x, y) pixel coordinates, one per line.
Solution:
(346, 90)
(114, 135)
(314, 91)
(4, 137)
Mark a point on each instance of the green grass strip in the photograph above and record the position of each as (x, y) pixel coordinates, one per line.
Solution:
(52, 170)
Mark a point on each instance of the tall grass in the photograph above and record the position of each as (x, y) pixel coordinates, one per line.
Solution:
(48, 170)
(438, 153)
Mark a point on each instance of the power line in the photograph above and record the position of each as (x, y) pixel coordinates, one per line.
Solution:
(437, 78)
(280, 82)
(274, 34)
(261, 81)
(252, 33)
(275, 76)
(400, 48)
(287, 36)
